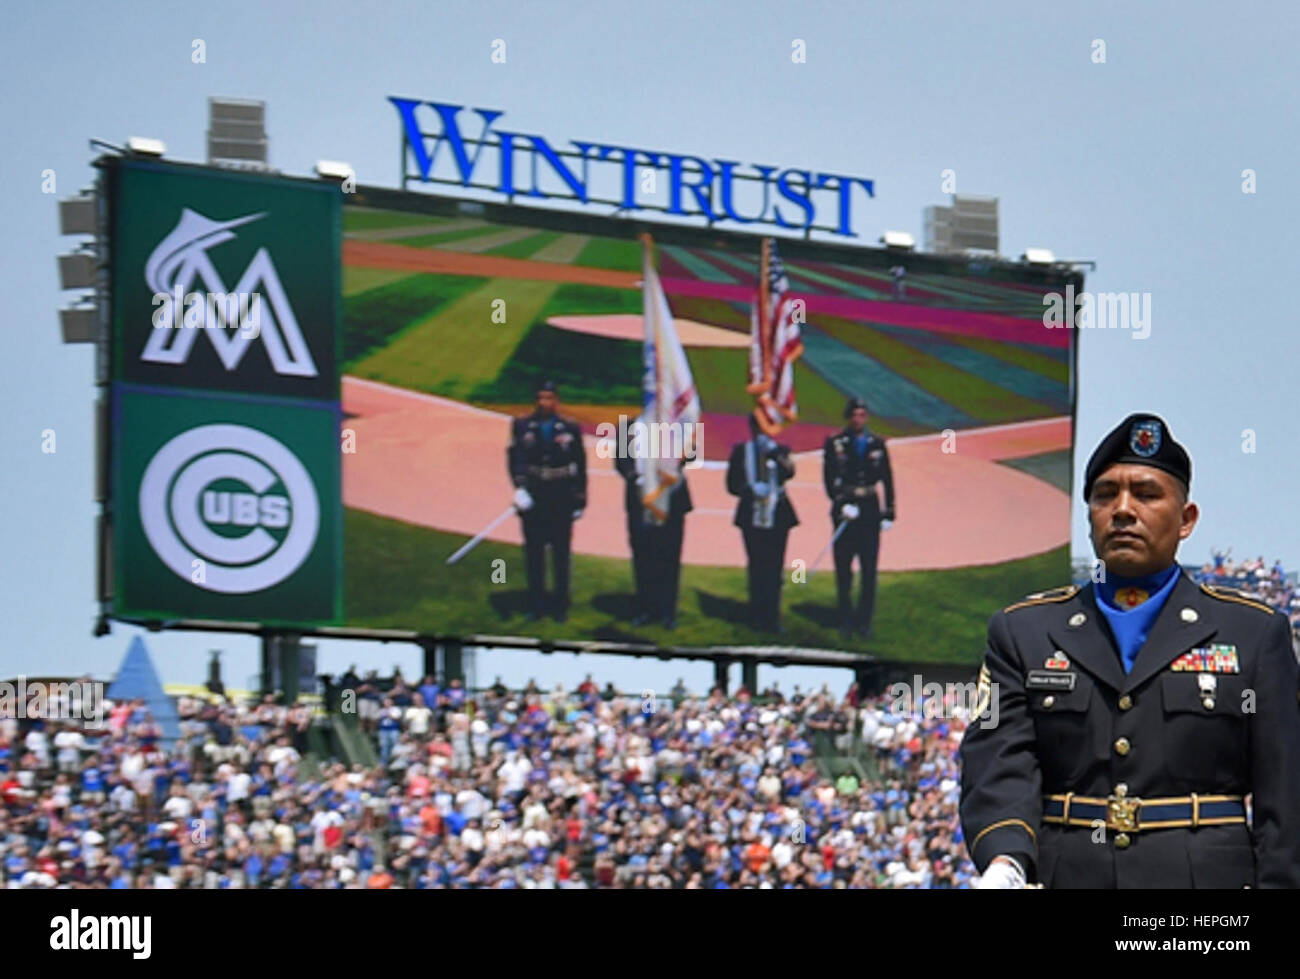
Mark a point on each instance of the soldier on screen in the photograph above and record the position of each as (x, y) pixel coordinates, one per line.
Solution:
(655, 540)
(548, 467)
(756, 473)
(854, 463)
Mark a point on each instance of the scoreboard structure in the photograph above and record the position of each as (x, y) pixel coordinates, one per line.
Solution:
(289, 367)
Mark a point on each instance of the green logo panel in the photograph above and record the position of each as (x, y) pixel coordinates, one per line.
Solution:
(225, 281)
(226, 508)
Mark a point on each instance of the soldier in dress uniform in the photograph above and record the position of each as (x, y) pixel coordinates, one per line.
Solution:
(548, 467)
(854, 462)
(1136, 714)
(655, 540)
(756, 473)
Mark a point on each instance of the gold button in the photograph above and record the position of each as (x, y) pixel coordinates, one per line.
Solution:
(1209, 703)
(1125, 702)
(1122, 746)
(1049, 700)
(1121, 790)
(1121, 840)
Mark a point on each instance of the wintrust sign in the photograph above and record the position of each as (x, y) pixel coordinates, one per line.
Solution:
(785, 198)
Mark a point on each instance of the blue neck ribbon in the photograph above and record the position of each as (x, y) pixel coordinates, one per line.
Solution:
(1131, 626)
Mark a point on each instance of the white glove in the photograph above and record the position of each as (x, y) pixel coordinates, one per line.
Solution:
(1004, 874)
(850, 511)
(761, 490)
(523, 500)
(577, 514)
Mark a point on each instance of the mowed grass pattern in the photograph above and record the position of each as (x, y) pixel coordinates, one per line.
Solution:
(611, 253)
(374, 318)
(459, 347)
(968, 393)
(450, 346)
(357, 280)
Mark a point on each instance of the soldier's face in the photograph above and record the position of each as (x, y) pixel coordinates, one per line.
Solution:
(1138, 515)
(858, 419)
(546, 402)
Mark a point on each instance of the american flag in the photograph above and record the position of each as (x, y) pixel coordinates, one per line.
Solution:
(774, 344)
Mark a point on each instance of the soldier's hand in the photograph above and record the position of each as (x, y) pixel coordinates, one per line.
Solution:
(577, 514)
(762, 489)
(1003, 874)
(523, 500)
(849, 511)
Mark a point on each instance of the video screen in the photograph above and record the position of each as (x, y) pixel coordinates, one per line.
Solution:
(671, 432)
(331, 414)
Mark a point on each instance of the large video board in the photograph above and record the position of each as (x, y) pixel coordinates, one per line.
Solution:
(377, 408)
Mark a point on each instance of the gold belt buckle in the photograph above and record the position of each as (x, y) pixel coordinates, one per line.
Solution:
(1124, 813)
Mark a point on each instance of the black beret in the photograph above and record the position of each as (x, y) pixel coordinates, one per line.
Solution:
(853, 405)
(547, 385)
(1143, 439)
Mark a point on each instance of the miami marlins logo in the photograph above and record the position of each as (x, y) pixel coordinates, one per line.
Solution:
(181, 258)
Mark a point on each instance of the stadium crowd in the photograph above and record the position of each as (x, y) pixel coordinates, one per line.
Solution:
(1270, 585)
(503, 789)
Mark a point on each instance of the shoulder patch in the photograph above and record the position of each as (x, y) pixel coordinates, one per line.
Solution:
(1232, 595)
(1043, 597)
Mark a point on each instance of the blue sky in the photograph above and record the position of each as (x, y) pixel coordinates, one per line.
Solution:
(1136, 163)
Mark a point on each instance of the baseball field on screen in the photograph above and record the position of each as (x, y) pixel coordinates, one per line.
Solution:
(449, 323)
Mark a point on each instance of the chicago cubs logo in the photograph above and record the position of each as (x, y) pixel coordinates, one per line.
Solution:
(1144, 438)
(234, 499)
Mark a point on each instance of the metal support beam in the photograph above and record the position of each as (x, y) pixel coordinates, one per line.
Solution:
(452, 663)
(430, 651)
(721, 667)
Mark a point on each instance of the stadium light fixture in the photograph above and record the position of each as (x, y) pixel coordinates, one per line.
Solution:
(144, 146)
(1038, 256)
(334, 170)
(77, 270)
(78, 324)
(899, 240)
(77, 215)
